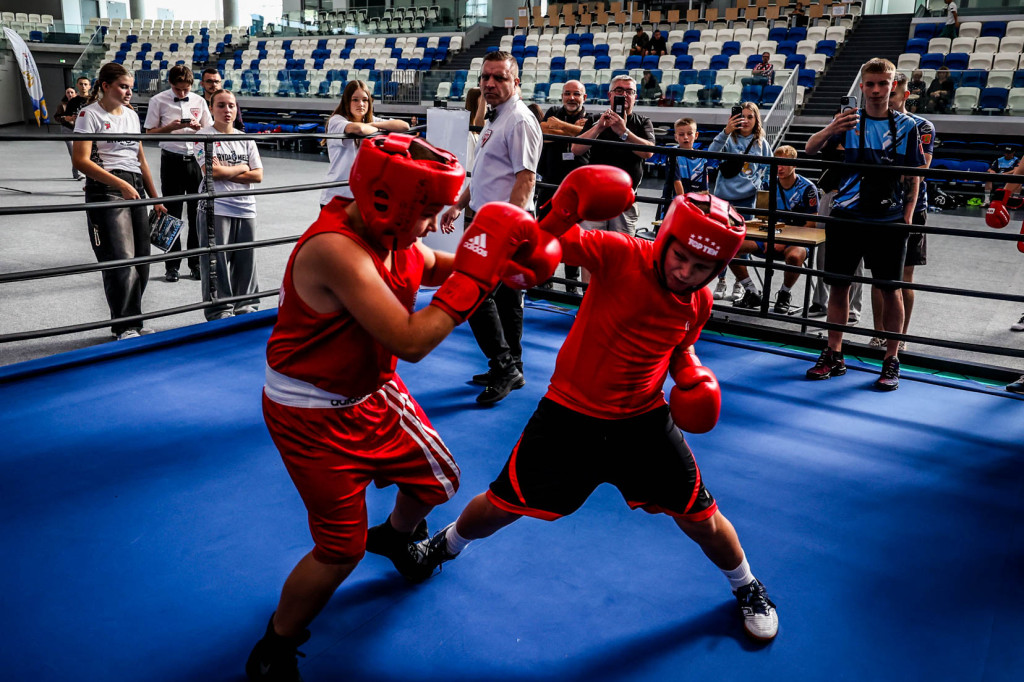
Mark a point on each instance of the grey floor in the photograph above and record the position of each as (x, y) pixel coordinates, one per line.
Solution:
(39, 173)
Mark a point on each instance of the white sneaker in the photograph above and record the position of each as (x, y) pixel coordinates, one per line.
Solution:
(145, 330)
(1019, 326)
(222, 315)
(738, 292)
(876, 342)
(760, 620)
(721, 290)
(245, 309)
(128, 334)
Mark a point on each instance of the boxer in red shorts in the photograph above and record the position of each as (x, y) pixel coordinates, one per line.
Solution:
(335, 408)
(604, 418)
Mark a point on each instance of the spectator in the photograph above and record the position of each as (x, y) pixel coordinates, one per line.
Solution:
(179, 111)
(504, 169)
(657, 46)
(650, 89)
(683, 174)
(738, 181)
(880, 202)
(762, 73)
(557, 159)
(952, 28)
(917, 91)
(353, 116)
(798, 15)
(212, 82)
(917, 253)
(71, 110)
(629, 127)
(536, 111)
(1004, 164)
(115, 171)
(477, 107)
(940, 92)
(793, 193)
(236, 166)
(67, 121)
(640, 41)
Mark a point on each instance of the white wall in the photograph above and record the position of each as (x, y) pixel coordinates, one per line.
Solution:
(11, 86)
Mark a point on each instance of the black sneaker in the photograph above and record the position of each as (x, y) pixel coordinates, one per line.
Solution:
(829, 364)
(385, 541)
(751, 299)
(760, 621)
(196, 274)
(485, 379)
(782, 301)
(275, 658)
(817, 310)
(1017, 386)
(890, 378)
(500, 386)
(430, 554)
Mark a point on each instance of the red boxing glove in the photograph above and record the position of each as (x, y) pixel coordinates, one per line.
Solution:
(996, 215)
(1020, 244)
(696, 399)
(533, 263)
(588, 193)
(498, 230)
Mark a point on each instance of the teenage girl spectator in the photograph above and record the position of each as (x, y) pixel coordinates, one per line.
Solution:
(353, 116)
(115, 171)
(738, 181)
(236, 166)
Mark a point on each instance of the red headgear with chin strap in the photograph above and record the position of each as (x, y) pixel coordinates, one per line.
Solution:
(391, 188)
(706, 226)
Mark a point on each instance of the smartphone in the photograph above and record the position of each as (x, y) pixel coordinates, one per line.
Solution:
(619, 105)
(187, 121)
(847, 103)
(736, 111)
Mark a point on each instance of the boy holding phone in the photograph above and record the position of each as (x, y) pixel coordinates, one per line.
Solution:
(618, 124)
(685, 174)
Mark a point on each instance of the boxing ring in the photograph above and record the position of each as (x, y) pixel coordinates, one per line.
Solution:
(148, 523)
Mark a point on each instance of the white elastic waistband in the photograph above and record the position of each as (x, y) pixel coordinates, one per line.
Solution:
(285, 390)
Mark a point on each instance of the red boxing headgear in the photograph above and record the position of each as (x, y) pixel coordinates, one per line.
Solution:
(704, 225)
(391, 188)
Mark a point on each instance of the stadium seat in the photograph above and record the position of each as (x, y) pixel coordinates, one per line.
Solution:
(688, 77)
(1015, 101)
(965, 100)
(691, 95)
(916, 46)
(683, 61)
(995, 29)
(993, 100)
(770, 94)
(927, 31)
(956, 61)
(752, 93)
(932, 60)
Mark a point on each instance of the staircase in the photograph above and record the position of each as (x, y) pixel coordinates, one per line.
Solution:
(796, 136)
(877, 35)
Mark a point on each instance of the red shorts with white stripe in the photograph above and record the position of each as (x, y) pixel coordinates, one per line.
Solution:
(332, 454)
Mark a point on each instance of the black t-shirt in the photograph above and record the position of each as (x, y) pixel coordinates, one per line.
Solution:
(72, 108)
(553, 167)
(641, 41)
(658, 44)
(625, 159)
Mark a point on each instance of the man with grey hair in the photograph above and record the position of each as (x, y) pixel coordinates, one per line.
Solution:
(504, 169)
(618, 123)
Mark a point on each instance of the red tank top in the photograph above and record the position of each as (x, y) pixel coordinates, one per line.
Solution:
(332, 350)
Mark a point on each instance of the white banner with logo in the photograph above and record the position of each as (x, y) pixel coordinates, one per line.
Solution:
(30, 72)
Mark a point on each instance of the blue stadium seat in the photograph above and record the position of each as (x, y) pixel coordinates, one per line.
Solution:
(679, 48)
(540, 91)
(828, 48)
(731, 47)
(649, 62)
(603, 92)
(586, 38)
(786, 47)
(778, 34)
(805, 77)
(691, 36)
(688, 77)
(574, 75)
(993, 29)
(558, 76)
(796, 61)
(974, 78)
(675, 92)
(586, 50)
(1018, 78)
(570, 39)
(993, 100)
(707, 77)
(752, 61)
(593, 90)
(518, 39)
(532, 50)
(683, 61)
(602, 62)
(957, 61)
(927, 31)
(557, 63)
(657, 73)
(601, 49)
(796, 34)
(457, 88)
(770, 94)
(932, 60)
(751, 93)
(720, 61)
(914, 46)
(634, 61)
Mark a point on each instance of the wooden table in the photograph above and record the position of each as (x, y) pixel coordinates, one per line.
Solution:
(811, 237)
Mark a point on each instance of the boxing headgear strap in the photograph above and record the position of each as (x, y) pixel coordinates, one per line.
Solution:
(392, 188)
(706, 226)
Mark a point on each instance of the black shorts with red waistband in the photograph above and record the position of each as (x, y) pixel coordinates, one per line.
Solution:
(563, 456)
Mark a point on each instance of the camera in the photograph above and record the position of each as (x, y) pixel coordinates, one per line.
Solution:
(619, 105)
(847, 103)
(736, 111)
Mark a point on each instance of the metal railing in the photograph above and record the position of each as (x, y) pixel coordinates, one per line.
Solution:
(778, 119)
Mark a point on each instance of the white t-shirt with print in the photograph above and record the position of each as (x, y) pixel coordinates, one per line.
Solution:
(950, 9)
(342, 154)
(117, 155)
(230, 153)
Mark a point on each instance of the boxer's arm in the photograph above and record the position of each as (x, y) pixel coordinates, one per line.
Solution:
(331, 273)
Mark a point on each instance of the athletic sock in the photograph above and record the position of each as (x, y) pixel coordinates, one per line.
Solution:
(456, 543)
(748, 284)
(784, 288)
(739, 576)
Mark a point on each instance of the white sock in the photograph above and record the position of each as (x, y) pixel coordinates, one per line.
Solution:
(739, 576)
(784, 288)
(456, 543)
(748, 284)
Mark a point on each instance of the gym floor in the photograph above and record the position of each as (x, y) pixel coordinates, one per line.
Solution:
(148, 524)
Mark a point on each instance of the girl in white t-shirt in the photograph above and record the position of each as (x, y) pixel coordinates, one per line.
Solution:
(353, 116)
(116, 170)
(236, 166)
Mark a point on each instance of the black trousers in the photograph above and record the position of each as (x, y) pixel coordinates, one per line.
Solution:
(498, 324)
(181, 175)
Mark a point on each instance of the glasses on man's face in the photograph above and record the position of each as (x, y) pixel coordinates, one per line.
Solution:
(623, 91)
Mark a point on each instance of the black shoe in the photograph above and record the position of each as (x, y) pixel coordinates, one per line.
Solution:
(195, 274)
(275, 658)
(890, 378)
(751, 299)
(485, 379)
(782, 302)
(430, 554)
(572, 290)
(1017, 386)
(500, 386)
(760, 620)
(171, 276)
(385, 541)
(829, 364)
(817, 310)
